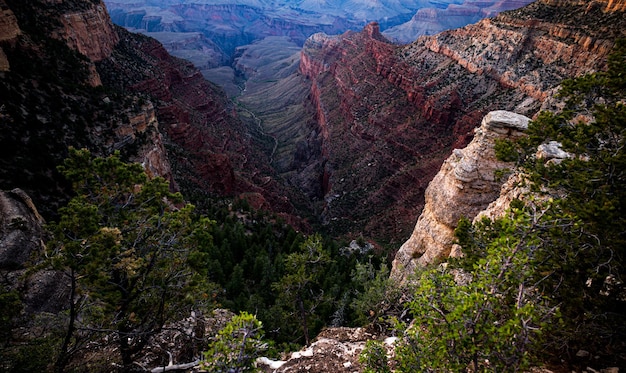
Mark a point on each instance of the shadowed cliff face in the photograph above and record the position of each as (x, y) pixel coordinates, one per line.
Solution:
(210, 147)
(69, 77)
(389, 115)
(52, 98)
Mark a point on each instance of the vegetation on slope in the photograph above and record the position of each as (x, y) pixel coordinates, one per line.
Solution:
(544, 282)
(135, 257)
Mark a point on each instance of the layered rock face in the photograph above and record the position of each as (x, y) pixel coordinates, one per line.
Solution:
(580, 48)
(57, 53)
(465, 185)
(89, 31)
(212, 150)
(388, 116)
(430, 21)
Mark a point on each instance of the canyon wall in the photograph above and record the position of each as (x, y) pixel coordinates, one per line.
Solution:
(52, 99)
(213, 151)
(72, 78)
(465, 186)
(433, 20)
(388, 115)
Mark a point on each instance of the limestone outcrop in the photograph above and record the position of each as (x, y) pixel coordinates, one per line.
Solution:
(333, 350)
(466, 184)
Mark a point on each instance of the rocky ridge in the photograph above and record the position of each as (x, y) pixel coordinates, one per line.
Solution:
(430, 21)
(107, 89)
(22, 236)
(212, 150)
(52, 99)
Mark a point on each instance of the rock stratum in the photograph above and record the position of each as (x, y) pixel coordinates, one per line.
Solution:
(388, 116)
(433, 20)
(466, 185)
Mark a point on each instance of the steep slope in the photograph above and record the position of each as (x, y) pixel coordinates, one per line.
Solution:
(466, 184)
(72, 78)
(52, 98)
(211, 148)
(388, 116)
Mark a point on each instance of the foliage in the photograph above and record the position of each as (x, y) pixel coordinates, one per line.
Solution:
(125, 249)
(488, 319)
(236, 346)
(299, 291)
(249, 255)
(375, 295)
(374, 358)
(556, 256)
(135, 256)
(579, 260)
(10, 308)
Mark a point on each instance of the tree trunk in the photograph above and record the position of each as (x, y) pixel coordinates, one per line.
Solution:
(305, 326)
(64, 355)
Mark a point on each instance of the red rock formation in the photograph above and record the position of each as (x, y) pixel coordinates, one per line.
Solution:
(89, 31)
(215, 150)
(389, 115)
(579, 45)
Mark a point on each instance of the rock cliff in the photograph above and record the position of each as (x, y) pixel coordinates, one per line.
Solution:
(72, 78)
(213, 151)
(21, 237)
(388, 115)
(580, 49)
(465, 185)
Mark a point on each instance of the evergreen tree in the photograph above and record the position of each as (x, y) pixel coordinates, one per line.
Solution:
(130, 250)
(580, 258)
(299, 291)
(236, 346)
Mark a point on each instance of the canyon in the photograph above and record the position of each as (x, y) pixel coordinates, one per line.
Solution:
(349, 131)
(344, 128)
(209, 34)
(388, 115)
(404, 107)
